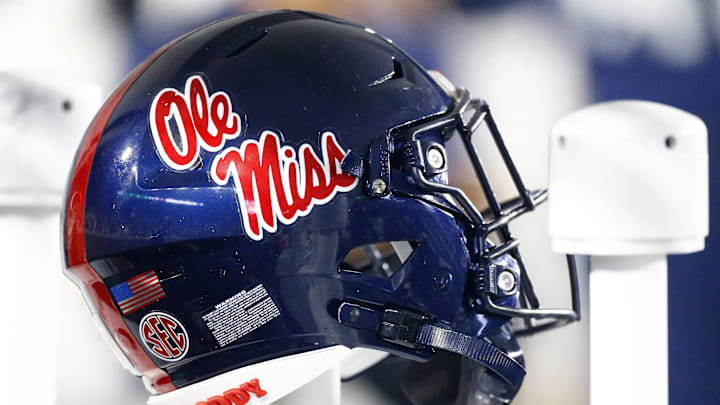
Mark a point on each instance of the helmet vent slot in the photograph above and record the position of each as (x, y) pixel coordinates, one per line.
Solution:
(381, 259)
(397, 70)
(244, 43)
(397, 73)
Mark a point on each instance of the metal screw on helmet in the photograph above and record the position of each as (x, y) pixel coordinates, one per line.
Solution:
(506, 281)
(379, 186)
(435, 157)
(442, 281)
(354, 315)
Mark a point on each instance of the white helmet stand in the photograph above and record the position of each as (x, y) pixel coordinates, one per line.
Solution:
(305, 378)
(312, 377)
(628, 186)
(326, 388)
(45, 344)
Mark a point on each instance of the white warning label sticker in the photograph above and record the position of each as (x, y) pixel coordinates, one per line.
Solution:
(241, 314)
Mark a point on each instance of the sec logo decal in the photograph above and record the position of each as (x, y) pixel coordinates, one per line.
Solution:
(164, 336)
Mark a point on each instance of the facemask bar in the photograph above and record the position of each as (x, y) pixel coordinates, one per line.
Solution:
(484, 254)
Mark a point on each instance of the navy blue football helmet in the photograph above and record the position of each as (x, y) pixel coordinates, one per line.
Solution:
(277, 183)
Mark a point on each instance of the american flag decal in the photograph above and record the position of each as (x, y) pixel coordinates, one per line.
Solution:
(138, 292)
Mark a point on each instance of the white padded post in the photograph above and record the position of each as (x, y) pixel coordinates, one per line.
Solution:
(628, 185)
(325, 389)
(309, 377)
(42, 119)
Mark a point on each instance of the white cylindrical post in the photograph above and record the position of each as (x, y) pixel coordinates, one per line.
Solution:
(42, 119)
(629, 364)
(628, 186)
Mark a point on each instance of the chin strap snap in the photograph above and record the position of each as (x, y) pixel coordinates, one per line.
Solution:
(419, 332)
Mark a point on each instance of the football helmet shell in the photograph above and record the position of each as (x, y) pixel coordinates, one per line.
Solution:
(218, 192)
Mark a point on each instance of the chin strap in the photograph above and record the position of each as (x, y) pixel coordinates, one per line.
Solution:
(419, 332)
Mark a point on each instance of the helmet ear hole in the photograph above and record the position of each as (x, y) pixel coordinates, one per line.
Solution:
(382, 259)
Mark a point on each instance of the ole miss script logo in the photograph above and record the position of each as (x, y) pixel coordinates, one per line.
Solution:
(164, 336)
(274, 182)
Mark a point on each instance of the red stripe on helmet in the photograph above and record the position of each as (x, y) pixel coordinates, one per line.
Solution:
(75, 237)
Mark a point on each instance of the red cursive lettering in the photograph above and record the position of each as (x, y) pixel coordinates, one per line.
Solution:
(274, 185)
(203, 121)
(236, 396)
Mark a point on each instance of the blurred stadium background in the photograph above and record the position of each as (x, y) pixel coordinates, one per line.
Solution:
(534, 61)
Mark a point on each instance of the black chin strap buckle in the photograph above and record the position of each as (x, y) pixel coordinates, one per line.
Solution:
(417, 331)
(401, 326)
